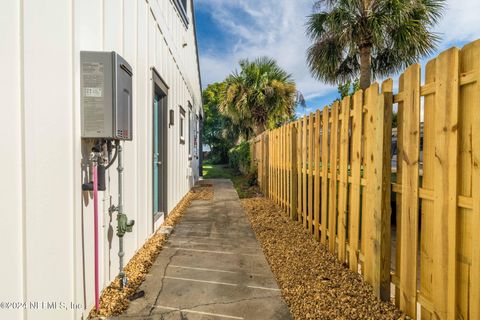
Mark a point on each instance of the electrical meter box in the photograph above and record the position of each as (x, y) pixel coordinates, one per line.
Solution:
(106, 96)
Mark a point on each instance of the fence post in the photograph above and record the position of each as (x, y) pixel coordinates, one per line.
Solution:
(294, 176)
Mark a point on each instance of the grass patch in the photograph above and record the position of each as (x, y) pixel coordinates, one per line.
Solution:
(219, 171)
(243, 184)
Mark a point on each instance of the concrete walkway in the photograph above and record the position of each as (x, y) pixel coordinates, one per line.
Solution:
(211, 268)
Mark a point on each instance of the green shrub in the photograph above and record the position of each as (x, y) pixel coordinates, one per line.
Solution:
(215, 158)
(252, 177)
(239, 157)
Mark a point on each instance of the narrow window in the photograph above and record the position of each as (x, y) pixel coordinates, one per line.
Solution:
(190, 130)
(182, 8)
(195, 135)
(182, 125)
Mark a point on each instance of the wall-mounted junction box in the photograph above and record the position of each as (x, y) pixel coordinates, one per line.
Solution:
(106, 96)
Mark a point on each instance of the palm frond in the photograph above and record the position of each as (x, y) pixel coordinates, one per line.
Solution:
(398, 33)
(259, 92)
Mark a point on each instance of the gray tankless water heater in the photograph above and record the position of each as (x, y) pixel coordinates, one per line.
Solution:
(106, 96)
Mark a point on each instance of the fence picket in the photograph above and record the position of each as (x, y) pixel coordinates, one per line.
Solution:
(272, 165)
(316, 188)
(386, 185)
(471, 61)
(284, 167)
(280, 167)
(445, 204)
(325, 183)
(355, 167)
(343, 178)
(277, 185)
(398, 257)
(310, 171)
(373, 215)
(467, 273)
(365, 125)
(267, 159)
(426, 238)
(304, 172)
(294, 174)
(287, 168)
(299, 170)
(275, 166)
(269, 164)
(409, 223)
(332, 199)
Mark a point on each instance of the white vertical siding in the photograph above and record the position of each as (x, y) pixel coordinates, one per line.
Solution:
(144, 226)
(129, 50)
(11, 145)
(113, 28)
(49, 160)
(47, 230)
(88, 36)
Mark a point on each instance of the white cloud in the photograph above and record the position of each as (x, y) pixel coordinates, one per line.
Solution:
(276, 28)
(460, 22)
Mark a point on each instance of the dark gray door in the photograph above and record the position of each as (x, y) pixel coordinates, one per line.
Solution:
(159, 146)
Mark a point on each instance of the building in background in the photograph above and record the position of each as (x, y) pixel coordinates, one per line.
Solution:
(47, 220)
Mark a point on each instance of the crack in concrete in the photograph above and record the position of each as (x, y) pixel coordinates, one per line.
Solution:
(211, 304)
(163, 279)
(182, 316)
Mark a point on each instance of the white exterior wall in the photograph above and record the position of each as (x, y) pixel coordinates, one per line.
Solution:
(47, 221)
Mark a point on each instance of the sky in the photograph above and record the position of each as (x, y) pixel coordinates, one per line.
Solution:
(230, 30)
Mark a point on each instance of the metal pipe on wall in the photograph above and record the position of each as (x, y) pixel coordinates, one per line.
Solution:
(121, 252)
(123, 224)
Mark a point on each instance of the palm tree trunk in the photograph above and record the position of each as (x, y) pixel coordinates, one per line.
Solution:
(365, 67)
(259, 128)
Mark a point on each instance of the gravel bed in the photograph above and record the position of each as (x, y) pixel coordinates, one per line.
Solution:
(314, 284)
(114, 301)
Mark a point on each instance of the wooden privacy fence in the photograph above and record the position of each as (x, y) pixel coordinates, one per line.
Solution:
(331, 171)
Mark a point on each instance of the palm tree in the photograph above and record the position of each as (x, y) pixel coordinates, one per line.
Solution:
(369, 38)
(218, 131)
(261, 95)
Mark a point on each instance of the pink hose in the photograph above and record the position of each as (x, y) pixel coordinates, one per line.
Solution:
(95, 230)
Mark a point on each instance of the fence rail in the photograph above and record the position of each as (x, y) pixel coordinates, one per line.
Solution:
(331, 171)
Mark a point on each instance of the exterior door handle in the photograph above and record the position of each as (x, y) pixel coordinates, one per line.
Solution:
(159, 163)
